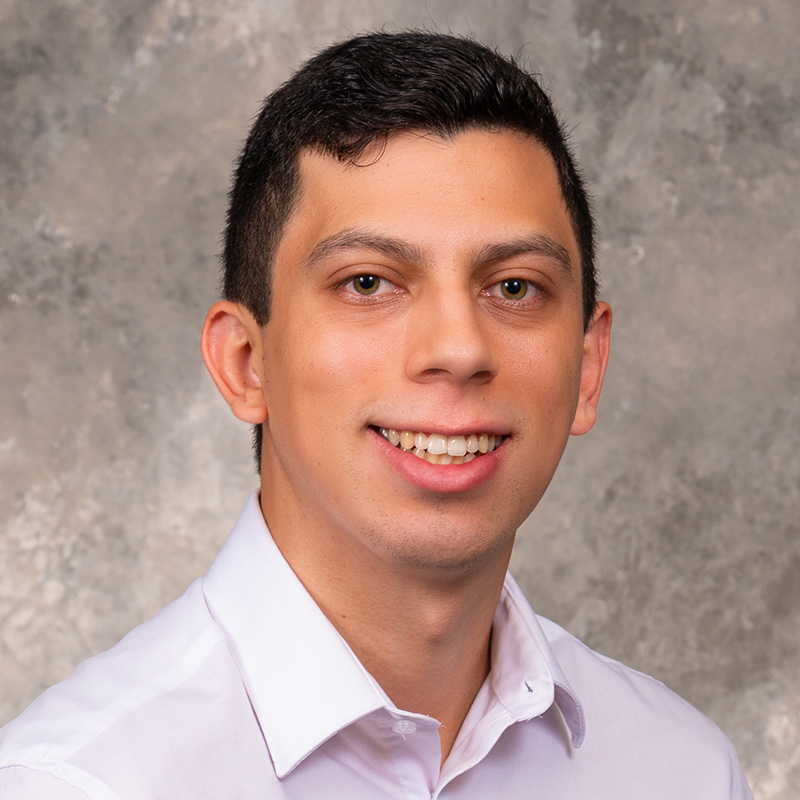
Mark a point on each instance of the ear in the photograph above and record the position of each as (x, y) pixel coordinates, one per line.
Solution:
(231, 347)
(596, 344)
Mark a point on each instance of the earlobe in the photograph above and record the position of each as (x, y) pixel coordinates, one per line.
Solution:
(596, 344)
(231, 348)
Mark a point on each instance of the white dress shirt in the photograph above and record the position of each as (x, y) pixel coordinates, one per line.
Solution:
(242, 689)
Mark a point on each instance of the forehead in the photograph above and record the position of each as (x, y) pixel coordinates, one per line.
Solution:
(471, 191)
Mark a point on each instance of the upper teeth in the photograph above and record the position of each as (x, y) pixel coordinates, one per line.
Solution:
(438, 444)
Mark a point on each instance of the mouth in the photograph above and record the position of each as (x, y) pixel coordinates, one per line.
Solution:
(439, 448)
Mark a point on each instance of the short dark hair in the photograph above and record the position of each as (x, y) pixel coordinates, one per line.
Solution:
(371, 86)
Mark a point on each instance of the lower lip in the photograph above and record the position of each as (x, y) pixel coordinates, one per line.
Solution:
(442, 478)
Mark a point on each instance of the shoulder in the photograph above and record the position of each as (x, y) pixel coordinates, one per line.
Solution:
(634, 715)
(140, 697)
(604, 683)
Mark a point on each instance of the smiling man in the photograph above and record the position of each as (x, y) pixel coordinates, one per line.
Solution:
(411, 325)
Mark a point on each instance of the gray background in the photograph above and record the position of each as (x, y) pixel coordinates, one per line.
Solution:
(669, 539)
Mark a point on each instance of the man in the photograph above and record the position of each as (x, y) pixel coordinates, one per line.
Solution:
(411, 324)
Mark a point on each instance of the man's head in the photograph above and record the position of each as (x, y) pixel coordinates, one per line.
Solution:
(425, 359)
(362, 91)
(428, 346)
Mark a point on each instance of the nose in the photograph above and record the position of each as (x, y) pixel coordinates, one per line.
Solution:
(448, 339)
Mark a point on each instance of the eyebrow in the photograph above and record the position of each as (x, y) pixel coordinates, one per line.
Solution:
(358, 238)
(536, 244)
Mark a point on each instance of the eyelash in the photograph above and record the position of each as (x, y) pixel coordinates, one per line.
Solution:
(349, 285)
(533, 291)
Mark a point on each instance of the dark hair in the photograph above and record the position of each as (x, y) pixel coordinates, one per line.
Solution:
(352, 93)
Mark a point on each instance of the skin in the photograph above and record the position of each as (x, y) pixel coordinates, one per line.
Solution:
(474, 325)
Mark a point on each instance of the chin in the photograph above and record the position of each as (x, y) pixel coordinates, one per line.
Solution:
(442, 548)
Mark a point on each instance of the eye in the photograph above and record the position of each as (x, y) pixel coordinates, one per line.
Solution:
(515, 289)
(366, 284)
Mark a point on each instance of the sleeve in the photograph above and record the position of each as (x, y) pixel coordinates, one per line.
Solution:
(24, 783)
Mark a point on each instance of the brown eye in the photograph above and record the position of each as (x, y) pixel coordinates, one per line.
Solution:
(366, 284)
(514, 289)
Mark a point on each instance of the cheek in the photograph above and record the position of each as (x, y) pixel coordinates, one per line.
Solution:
(316, 370)
(546, 379)
(336, 362)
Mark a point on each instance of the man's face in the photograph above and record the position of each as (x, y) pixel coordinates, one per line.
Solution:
(432, 289)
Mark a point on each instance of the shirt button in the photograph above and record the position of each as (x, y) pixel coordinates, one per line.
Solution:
(404, 726)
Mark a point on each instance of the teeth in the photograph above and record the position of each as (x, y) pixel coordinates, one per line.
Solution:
(457, 446)
(437, 444)
(406, 440)
(436, 448)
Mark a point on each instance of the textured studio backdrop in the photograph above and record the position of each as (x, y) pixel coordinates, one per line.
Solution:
(670, 539)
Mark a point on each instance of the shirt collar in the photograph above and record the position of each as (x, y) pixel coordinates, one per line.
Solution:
(522, 654)
(306, 684)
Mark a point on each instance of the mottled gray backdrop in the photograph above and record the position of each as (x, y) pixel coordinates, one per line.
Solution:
(670, 537)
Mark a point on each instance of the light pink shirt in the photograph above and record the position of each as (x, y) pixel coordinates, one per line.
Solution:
(243, 689)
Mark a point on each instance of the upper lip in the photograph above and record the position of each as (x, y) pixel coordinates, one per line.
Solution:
(445, 429)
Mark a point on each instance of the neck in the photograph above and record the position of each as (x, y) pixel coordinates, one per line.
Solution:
(424, 635)
(427, 646)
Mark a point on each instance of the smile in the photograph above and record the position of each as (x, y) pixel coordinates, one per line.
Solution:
(437, 448)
